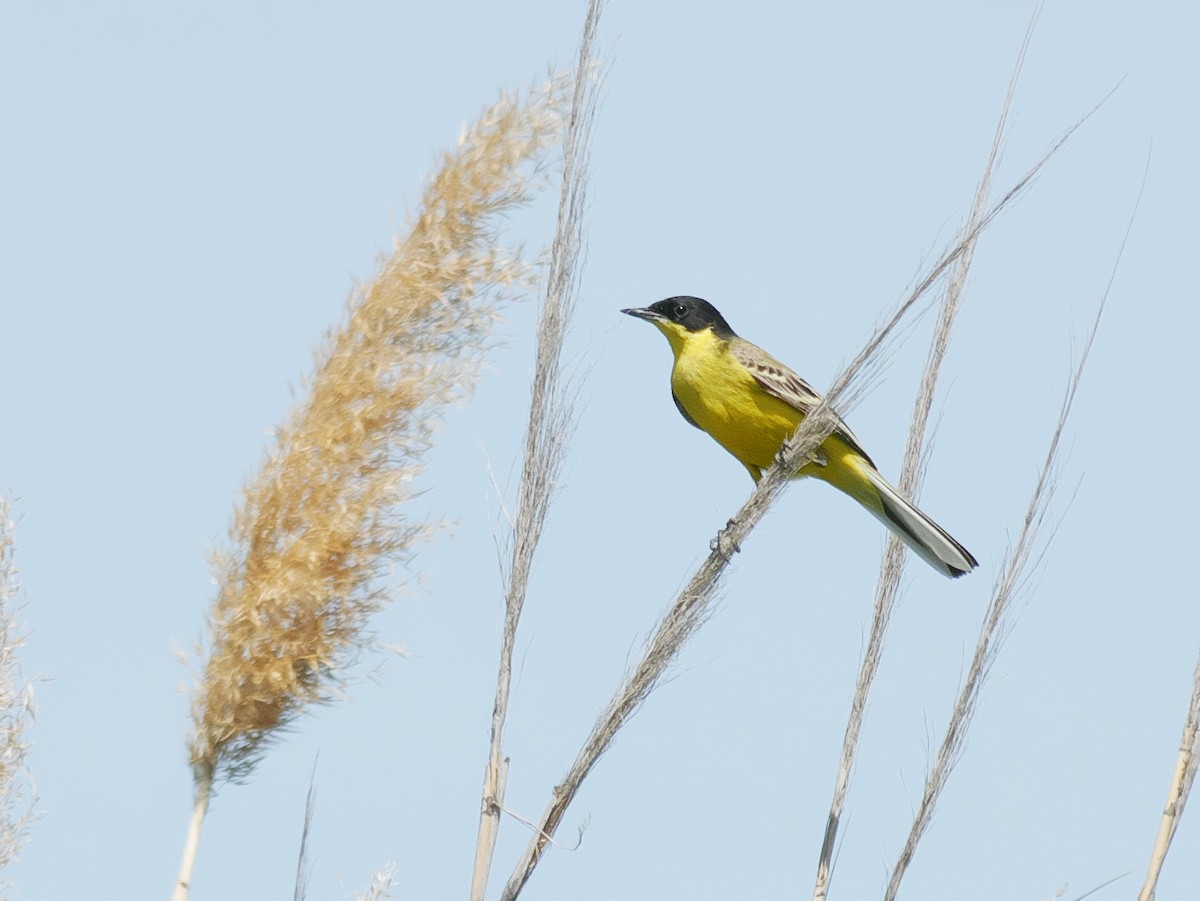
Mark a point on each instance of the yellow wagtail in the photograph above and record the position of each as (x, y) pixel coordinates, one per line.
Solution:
(751, 403)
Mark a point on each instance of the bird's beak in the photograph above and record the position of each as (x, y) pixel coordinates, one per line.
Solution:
(643, 313)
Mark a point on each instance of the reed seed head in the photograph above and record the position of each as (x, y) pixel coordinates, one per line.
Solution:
(319, 525)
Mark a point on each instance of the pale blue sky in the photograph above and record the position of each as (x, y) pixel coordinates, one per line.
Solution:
(189, 196)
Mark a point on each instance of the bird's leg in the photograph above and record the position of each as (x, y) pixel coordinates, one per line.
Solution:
(815, 456)
(724, 544)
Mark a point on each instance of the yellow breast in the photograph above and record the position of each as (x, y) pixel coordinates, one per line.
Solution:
(724, 399)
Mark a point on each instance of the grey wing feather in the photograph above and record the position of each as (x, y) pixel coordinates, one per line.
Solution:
(779, 381)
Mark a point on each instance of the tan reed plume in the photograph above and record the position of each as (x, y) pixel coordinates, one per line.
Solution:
(16, 707)
(319, 524)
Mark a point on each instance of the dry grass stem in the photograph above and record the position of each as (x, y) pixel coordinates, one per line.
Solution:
(996, 625)
(191, 844)
(319, 525)
(303, 866)
(1015, 572)
(847, 387)
(691, 608)
(16, 706)
(911, 476)
(1181, 787)
(548, 427)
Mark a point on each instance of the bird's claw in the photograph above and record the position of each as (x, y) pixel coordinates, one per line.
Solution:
(724, 544)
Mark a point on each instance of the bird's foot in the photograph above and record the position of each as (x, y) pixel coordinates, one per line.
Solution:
(724, 544)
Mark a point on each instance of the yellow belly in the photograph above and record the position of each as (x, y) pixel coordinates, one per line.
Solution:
(724, 399)
(726, 402)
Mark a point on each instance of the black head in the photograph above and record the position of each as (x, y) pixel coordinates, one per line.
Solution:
(690, 313)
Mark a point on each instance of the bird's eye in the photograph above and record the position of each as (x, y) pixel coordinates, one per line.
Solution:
(679, 310)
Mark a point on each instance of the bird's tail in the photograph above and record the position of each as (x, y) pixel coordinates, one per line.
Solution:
(927, 539)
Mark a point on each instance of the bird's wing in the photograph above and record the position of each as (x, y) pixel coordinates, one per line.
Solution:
(779, 381)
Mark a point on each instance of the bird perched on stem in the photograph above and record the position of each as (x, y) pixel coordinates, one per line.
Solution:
(750, 403)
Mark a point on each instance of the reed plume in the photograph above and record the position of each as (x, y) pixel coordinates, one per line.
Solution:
(16, 707)
(320, 523)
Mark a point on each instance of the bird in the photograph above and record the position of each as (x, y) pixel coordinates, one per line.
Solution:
(750, 403)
